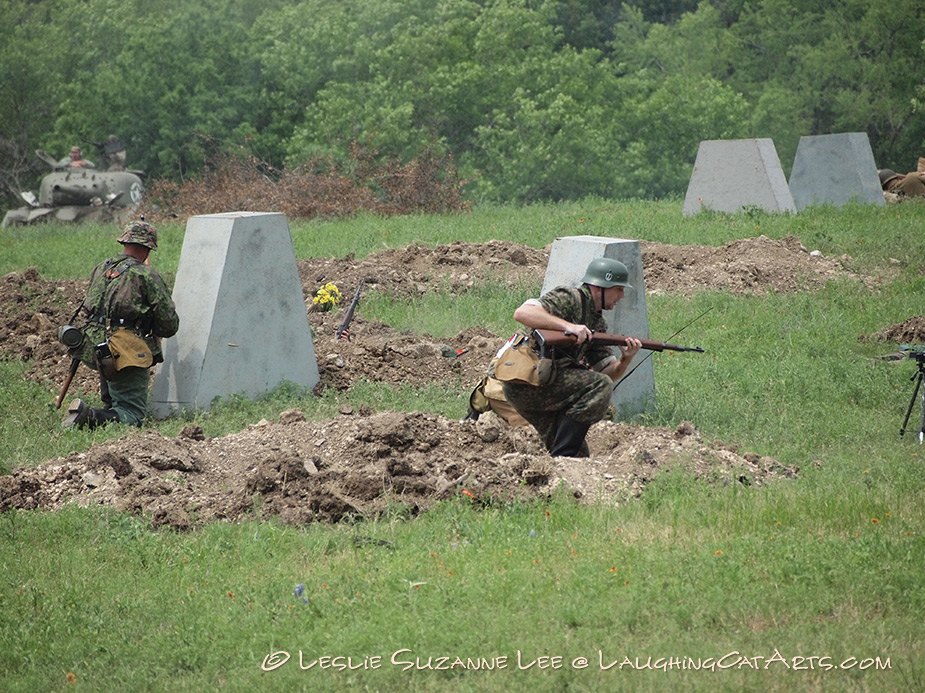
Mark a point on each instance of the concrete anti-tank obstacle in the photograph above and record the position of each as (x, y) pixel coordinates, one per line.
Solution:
(835, 169)
(243, 322)
(735, 175)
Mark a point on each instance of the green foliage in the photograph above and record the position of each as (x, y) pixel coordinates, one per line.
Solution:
(853, 68)
(681, 109)
(549, 100)
(555, 140)
(29, 93)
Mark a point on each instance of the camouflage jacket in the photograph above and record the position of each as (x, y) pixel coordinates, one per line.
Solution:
(121, 288)
(577, 306)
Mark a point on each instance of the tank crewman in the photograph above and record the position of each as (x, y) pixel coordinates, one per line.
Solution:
(909, 185)
(128, 309)
(114, 153)
(75, 159)
(579, 393)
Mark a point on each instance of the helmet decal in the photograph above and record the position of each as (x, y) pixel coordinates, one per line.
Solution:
(606, 272)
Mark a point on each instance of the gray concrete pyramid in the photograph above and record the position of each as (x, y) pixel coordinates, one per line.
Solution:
(835, 169)
(243, 322)
(735, 175)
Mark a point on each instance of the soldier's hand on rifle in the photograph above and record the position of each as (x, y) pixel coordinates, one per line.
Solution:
(615, 369)
(532, 314)
(581, 332)
(632, 348)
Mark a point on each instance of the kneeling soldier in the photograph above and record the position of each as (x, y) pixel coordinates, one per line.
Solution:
(128, 309)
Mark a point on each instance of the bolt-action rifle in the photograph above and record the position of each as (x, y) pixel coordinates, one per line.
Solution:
(554, 338)
(349, 316)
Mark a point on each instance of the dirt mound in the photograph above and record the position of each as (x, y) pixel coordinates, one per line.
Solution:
(31, 310)
(357, 466)
(416, 269)
(749, 266)
(359, 462)
(911, 331)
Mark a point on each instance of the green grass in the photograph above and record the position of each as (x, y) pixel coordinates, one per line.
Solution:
(439, 314)
(826, 565)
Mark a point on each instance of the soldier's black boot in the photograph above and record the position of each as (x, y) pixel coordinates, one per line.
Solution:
(98, 417)
(77, 414)
(569, 438)
(82, 416)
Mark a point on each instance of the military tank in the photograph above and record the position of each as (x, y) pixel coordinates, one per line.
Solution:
(80, 193)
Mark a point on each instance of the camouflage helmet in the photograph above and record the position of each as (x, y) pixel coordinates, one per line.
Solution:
(886, 175)
(605, 273)
(140, 232)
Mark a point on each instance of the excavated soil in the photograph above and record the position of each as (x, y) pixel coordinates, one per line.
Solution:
(911, 332)
(360, 463)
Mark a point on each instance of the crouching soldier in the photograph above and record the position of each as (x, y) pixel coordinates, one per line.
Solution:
(574, 391)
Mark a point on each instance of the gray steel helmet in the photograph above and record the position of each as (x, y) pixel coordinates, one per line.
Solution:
(140, 232)
(605, 273)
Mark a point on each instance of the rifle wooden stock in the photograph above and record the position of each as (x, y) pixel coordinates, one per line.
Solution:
(554, 338)
(345, 323)
(75, 362)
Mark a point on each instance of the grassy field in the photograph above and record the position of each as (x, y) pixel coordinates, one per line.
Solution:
(808, 584)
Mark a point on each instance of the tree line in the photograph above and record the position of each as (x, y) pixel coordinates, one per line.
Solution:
(531, 99)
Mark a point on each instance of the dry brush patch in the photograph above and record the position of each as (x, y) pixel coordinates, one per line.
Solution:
(321, 188)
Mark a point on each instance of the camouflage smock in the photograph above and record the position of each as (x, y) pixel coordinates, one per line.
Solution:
(124, 288)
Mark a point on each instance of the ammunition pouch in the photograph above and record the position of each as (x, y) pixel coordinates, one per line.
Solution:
(128, 349)
(488, 395)
(518, 362)
(478, 400)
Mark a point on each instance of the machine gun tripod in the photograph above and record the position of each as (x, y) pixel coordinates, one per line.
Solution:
(917, 353)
